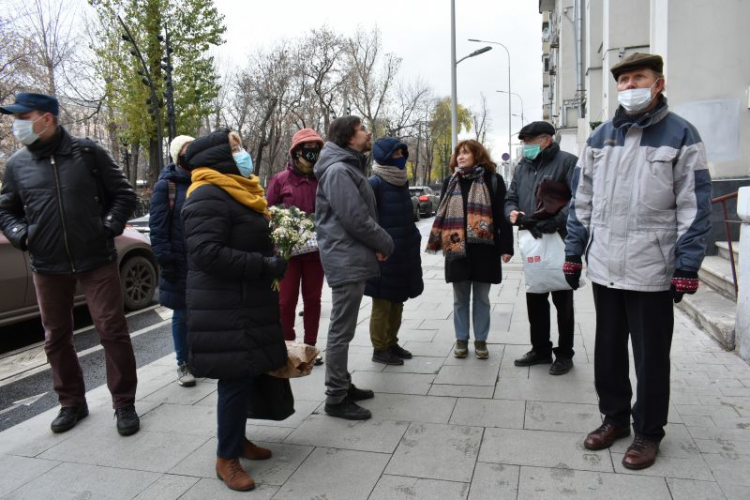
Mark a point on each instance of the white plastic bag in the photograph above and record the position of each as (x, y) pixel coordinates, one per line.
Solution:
(543, 261)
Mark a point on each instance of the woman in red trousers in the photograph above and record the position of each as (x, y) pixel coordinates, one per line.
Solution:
(296, 187)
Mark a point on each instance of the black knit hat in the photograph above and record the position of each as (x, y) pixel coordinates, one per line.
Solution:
(535, 129)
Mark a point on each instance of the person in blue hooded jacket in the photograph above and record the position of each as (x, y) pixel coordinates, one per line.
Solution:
(168, 245)
(401, 275)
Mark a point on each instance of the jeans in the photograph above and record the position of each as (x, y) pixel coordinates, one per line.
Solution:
(231, 415)
(346, 301)
(480, 311)
(385, 322)
(307, 272)
(179, 335)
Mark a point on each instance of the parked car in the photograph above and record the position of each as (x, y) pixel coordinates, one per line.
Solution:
(428, 200)
(141, 225)
(138, 273)
(415, 207)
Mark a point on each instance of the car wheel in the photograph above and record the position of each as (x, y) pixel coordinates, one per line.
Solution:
(416, 216)
(138, 278)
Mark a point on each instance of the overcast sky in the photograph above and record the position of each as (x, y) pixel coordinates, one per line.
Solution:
(419, 32)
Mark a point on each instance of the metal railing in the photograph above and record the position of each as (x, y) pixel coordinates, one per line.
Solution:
(723, 200)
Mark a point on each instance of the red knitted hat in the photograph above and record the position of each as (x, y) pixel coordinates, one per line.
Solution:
(303, 136)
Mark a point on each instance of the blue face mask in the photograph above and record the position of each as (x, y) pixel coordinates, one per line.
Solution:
(244, 163)
(399, 162)
(532, 151)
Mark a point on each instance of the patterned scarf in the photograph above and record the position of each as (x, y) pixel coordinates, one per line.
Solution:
(451, 230)
(245, 191)
(391, 175)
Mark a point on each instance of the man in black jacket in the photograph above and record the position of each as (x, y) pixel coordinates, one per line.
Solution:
(64, 200)
(543, 160)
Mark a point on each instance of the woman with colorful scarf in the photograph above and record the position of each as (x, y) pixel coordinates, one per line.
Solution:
(474, 236)
(234, 332)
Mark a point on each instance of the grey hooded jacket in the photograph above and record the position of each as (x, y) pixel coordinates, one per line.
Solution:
(346, 218)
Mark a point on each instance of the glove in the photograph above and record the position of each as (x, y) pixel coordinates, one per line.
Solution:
(529, 225)
(572, 269)
(275, 267)
(683, 282)
(547, 226)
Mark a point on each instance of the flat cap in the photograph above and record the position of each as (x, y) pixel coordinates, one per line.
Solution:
(638, 60)
(535, 129)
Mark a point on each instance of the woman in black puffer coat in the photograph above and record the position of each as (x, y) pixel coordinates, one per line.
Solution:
(234, 330)
(401, 275)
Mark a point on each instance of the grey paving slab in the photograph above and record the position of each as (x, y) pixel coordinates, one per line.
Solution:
(439, 349)
(730, 469)
(311, 387)
(186, 419)
(374, 435)
(724, 447)
(167, 487)
(700, 432)
(462, 391)
(77, 481)
(489, 413)
(164, 450)
(469, 374)
(435, 451)
(562, 450)
(215, 489)
(410, 408)
(553, 483)
(688, 489)
(412, 488)
(494, 481)
(677, 443)
(274, 471)
(418, 335)
(564, 417)
(418, 364)
(736, 492)
(685, 468)
(554, 389)
(17, 471)
(174, 393)
(302, 410)
(267, 433)
(325, 472)
(394, 383)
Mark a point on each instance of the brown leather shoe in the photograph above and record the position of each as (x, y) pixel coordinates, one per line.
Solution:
(641, 454)
(253, 452)
(604, 436)
(234, 476)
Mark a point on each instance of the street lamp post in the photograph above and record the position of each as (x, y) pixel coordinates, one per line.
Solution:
(519, 97)
(454, 100)
(510, 152)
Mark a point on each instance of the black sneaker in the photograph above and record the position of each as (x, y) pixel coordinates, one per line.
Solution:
(400, 352)
(319, 361)
(357, 394)
(561, 366)
(386, 357)
(127, 420)
(349, 410)
(68, 417)
(532, 358)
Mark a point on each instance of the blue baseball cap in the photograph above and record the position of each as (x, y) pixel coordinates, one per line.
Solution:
(26, 102)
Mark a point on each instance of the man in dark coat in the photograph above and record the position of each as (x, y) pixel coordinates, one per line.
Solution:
(64, 200)
(543, 161)
(168, 244)
(351, 243)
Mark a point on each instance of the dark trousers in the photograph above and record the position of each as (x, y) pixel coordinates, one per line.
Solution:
(307, 272)
(101, 286)
(649, 319)
(231, 415)
(539, 321)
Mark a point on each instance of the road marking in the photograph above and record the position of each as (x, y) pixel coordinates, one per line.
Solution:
(23, 402)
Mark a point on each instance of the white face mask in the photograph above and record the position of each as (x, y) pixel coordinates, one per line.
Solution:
(635, 100)
(23, 130)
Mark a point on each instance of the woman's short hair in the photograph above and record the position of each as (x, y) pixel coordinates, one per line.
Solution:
(341, 130)
(480, 153)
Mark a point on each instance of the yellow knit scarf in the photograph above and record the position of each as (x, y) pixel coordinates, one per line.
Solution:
(245, 191)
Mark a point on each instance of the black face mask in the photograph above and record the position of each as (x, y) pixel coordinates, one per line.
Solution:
(310, 154)
(182, 161)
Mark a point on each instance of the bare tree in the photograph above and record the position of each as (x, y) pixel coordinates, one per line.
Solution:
(409, 107)
(481, 120)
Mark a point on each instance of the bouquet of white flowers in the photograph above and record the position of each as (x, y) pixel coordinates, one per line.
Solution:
(292, 230)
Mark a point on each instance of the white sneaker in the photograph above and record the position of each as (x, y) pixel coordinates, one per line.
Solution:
(184, 377)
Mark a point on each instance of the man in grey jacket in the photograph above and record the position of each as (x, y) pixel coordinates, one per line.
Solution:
(351, 243)
(641, 214)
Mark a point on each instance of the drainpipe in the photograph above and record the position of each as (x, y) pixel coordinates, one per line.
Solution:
(578, 25)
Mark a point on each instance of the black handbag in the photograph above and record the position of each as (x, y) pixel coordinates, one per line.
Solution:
(270, 398)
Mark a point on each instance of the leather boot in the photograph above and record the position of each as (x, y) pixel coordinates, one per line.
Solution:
(234, 476)
(253, 452)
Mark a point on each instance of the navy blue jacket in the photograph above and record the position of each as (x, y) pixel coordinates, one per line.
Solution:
(167, 240)
(401, 275)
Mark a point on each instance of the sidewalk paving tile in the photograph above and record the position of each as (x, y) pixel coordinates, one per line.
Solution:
(736, 492)
(373, 435)
(267, 433)
(469, 373)
(167, 487)
(418, 364)
(462, 391)
(302, 410)
(494, 481)
(562, 450)
(176, 394)
(215, 489)
(332, 474)
(564, 417)
(17, 471)
(72, 481)
(554, 389)
(436, 451)
(439, 349)
(410, 408)
(677, 443)
(412, 488)
(169, 417)
(394, 383)
(694, 467)
(688, 489)
(551, 483)
(489, 413)
(730, 469)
